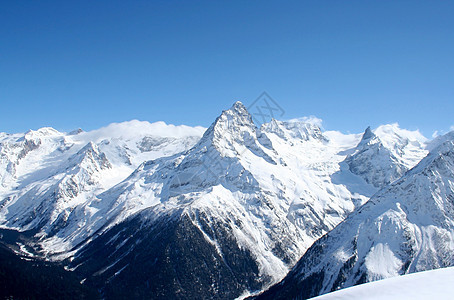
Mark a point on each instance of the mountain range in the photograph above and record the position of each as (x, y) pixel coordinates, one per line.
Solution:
(160, 211)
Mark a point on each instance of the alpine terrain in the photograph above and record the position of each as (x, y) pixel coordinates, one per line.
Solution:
(160, 211)
(406, 227)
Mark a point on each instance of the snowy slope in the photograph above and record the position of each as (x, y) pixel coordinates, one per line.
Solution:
(435, 284)
(48, 177)
(406, 227)
(32, 155)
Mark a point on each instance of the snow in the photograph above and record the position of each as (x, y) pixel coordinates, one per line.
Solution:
(381, 262)
(61, 174)
(406, 227)
(434, 284)
(343, 141)
(390, 132)
(404, 144)
(438, 140)
(385, 154)
(282, 186)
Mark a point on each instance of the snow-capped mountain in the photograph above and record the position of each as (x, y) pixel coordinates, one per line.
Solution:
(20, 153)
(406, 227)
(155, 209)
(49, 178)
(386, 154)
(43, 201)
(129, 143)
(251, 200)
(237, 198)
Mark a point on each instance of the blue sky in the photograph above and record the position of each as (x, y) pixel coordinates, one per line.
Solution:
(351, 63)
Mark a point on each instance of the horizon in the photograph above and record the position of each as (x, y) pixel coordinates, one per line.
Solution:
(162, 125)
(86, 65)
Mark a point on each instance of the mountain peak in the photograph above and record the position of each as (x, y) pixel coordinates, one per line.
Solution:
(232, 121)
(76, 131)
(238, 110)
(90, 155)
(232, 133)
(368, 134)
(392, 135)
(44, 131)
(368, 137)
(90, 146)
(40, 133)
(238, 105)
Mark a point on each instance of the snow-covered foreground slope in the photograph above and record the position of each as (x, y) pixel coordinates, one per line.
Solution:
(406, 227)
(434, 284)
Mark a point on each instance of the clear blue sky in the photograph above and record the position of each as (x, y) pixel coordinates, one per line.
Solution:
(351, 63)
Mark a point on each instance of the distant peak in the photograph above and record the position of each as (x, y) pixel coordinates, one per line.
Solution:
(76, 131)
(384, 132)
(368, 134)
(44, 131)
(90, 146)
(90, 154)
(369, 138)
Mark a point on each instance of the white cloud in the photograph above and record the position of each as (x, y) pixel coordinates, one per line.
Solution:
(435, 134)
(140, 128)
(438, 133)
(388, 130)
(310, 119)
